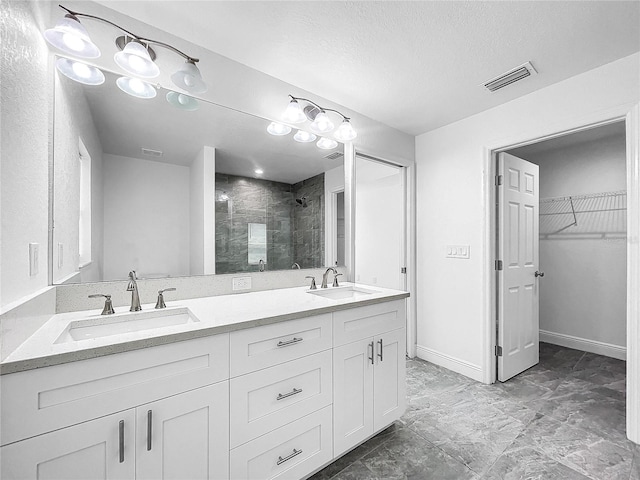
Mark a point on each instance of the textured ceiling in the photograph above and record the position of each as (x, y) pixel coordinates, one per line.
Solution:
(414, 66)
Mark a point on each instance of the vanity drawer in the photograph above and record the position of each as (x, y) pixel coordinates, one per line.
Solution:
(270, 398)
(260, 347)
(363, 322)
(44, 399)
(292, 451)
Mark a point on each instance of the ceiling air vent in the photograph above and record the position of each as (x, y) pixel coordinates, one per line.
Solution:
(334, 156)
(151, 153)
(523, 71)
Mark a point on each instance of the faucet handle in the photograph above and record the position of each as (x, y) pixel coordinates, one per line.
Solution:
(160, 303)
(108, 306)
(313, 282)
(335, 279)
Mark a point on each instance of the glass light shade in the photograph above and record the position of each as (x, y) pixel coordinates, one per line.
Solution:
(321, 124)
(136, 87)
(182, 101)
(135, 59)
(326, 143)
(80, 72)
(278, 129)
(70, 36)
(304, 137)
(189, 78)
(345, 132)
(294, 113)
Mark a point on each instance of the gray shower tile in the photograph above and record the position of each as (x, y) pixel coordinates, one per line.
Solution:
(531, 464)
(635, 468)
(584, 451)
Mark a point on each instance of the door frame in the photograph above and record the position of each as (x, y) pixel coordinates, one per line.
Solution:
(630, 114)
(409, 180)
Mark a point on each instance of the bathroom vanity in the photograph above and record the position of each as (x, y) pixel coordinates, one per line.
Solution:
(272, 384)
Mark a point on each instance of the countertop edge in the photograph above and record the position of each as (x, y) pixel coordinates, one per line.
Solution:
(105, 350)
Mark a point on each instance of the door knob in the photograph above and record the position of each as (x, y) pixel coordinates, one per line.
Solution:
(539, 274)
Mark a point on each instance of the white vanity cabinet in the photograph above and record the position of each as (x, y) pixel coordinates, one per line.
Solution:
(91, 418)
(368, 372)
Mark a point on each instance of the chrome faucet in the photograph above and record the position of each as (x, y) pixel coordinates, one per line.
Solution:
(133, 288)
(324, 276)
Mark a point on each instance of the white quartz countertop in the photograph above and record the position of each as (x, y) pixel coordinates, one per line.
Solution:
(214, 315)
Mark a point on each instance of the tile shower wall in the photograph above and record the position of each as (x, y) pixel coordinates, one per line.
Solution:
(294, 233)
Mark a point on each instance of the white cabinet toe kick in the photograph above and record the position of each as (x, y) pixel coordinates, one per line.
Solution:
(268, 402)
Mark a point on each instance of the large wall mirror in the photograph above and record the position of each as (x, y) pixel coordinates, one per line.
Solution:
(141, 184)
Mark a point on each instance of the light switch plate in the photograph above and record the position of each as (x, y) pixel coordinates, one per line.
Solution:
(241, 283)
(457, 251)
(33, 259)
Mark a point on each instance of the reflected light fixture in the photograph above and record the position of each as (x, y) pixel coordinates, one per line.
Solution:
(70, 36)
(258, 171)
(326, 143)
(136, 87)
(182, 101)
(320, 121)
(80, 72)
(136, 58)
(278, 129)
(304, 137)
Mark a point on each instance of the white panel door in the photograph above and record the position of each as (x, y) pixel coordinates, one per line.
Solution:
(100, 449)
(185, 436)
(389, 386)
(353, 366)
(518, 198)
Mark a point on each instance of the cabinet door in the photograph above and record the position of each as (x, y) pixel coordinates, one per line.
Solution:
(185, 436)
(352, 394)
(389, 387)
(90, 450)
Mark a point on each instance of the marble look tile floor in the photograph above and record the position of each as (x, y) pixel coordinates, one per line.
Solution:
(563, 419)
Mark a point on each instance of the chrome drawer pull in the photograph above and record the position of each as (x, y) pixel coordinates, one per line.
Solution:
(149, 432)
(121, 440)
(289, 342)
(371, 356)
(288, 457)
(380, 354)
(295, 391)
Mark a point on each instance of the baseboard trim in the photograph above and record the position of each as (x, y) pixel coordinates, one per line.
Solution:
(584, 344)
(463, 367)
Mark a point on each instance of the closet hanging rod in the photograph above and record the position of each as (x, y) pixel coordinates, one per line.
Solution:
(585, 196)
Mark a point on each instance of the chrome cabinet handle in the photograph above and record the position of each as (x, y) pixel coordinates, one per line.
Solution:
(295, 391)
(121, 440)
(149, 431)
(539, 274)
(371, 356)
(289, 342)
(288, 457)
(380, 354)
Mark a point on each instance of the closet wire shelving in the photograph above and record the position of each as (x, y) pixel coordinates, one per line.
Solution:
(595, 216)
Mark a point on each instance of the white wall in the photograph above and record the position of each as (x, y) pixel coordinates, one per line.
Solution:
(73, 121)
(26, 87)
(378, 224)
(450, 202)
(202, 186)
(146, 218)
(583, 293)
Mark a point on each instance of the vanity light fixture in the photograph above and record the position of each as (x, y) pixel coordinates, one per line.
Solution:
(182, 101)
(326, 143)
(136, 58)
(304, 137)
(320, 121)
(136, 87)
(278, 129)
(80, 72)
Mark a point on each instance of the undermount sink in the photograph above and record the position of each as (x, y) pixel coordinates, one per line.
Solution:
(340, 293)
(107, 325)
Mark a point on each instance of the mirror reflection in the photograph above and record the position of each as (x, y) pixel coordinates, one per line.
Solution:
(142, 184)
